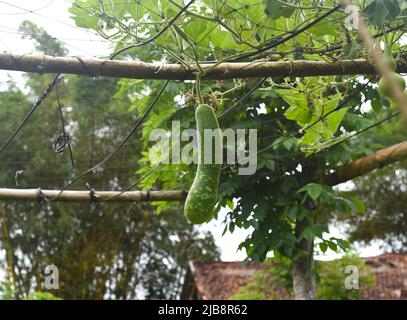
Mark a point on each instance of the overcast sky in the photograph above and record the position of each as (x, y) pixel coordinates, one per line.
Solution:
(54, 17)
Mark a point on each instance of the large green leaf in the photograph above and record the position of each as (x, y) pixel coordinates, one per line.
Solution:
(82, 17)
(196, 30)
(377, 11)
(276, 9)
(314, 190)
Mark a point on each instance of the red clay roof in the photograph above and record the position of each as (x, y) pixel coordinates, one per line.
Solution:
(221, 280)
(390, 270)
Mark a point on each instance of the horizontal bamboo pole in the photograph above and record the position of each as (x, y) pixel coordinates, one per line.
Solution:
(143, 70)
(368, 163)
(85, 196)
(348, 172)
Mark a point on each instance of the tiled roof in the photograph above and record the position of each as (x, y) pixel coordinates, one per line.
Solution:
(390, 270)
(221, 280)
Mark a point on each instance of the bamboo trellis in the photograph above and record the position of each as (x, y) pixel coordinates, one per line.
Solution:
(223, 71)
(348, 172)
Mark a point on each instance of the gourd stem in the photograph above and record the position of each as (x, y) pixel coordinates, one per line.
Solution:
(198, 88)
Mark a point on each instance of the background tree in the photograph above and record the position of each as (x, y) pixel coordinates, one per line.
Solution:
(102, 250)
(268, 284)
(384, 195)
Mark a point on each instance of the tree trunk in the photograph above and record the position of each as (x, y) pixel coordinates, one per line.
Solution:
(303, 268)
(303, 279)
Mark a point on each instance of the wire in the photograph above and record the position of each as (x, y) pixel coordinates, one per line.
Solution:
(49, 18)
(132, 131)
(28, 11)
(309, 157)
(157, 35)
(40, 99)
(251, 91)
(338, 107)
(135, 184)
(64, 140)
(293, 35)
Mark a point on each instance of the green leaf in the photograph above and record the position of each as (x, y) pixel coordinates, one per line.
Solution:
(377, 105)
(314, 190)
(313, 231)
(292, 211)
(323, 29)
(377, 11)
(271, 164)
(276, 9)
(196, 30)
(351, 50)
(343, 244)
(335, 118)
(332, 246)
(298, 113)
(288, 184)
(222, 39)
(81, 17)
(359, 205)
(323, 246)
(230, 203)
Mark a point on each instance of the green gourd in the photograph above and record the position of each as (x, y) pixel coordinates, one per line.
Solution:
(389, 59)
(384, 88)
(202, 196)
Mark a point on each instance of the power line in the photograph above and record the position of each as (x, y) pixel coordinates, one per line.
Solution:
(309, 157)
(251, 91)
(18, 31)
(28, 11)
(40, 99)
(121, 144)
(63, 140)
(49, 18)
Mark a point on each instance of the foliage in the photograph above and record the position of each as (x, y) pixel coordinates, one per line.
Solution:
(386, 216)
(383, 217)
(7, 293)
(285, 188)
(331, 278)
(41, 296)
(101, 249)
(275, 281)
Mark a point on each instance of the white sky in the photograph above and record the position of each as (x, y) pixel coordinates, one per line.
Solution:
(53, 16)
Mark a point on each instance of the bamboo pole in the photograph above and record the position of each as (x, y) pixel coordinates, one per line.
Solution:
(368, 163)
(143, 70)
(381, 66)
(348, 172)
(85, 196)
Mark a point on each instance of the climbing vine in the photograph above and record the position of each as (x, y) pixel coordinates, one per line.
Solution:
(306, 126)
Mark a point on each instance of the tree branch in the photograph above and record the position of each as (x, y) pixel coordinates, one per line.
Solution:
(143, 70)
